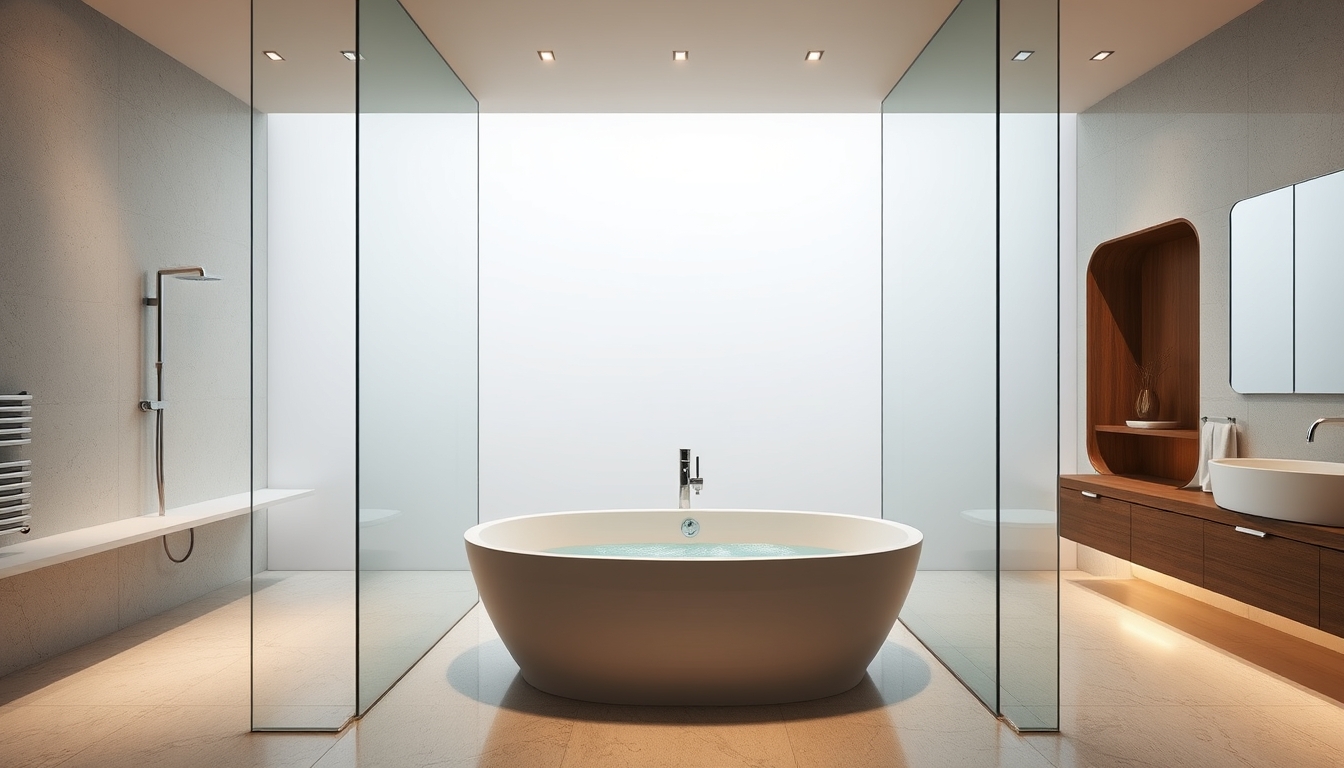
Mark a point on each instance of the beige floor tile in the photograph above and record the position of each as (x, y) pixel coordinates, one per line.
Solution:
(230, 686)
(935, 736)
(41, 736)
(201, 736)
(139, 676)
(1188, 737)
(399, 736)
(673, 740)
(1322, 722)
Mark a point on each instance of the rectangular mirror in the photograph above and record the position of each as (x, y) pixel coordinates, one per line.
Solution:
(1287, 271)
(1318, 268)
(1262, 293)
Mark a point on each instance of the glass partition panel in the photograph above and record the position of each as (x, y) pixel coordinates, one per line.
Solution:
(303, 583)
(970, 347)
(417, 132)
(939, 373)
(1029, 364)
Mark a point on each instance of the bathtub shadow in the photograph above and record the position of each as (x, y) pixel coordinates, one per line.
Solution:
(531, 727)
(487, 674)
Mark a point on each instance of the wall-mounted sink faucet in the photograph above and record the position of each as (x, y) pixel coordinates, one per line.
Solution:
(1311, 431)
(688, 482)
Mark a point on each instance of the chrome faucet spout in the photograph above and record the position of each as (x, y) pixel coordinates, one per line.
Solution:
(1311, 431)
(686, 481)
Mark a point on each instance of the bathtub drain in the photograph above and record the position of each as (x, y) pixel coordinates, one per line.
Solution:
(690, 527)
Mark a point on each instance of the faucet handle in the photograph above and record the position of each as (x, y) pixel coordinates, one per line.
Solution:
(697, 484)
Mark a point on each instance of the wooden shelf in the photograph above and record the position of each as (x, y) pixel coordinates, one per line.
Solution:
(71, 545)
(1143, 307)
(1120, 429)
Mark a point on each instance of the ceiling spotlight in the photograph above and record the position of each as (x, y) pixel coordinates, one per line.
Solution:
(680, 55)
(351, 55)
(1023, 55)
(1102, 55)
(546, 55)
(273, 56)
(813, 56)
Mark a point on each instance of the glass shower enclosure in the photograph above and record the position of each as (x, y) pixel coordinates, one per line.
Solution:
(364, 354)
(970, 348)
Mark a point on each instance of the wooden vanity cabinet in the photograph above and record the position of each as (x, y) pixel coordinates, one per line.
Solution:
(1291, 569)
(1096, 521)
(1332, 591)
(1270, 572)
(1171, 544)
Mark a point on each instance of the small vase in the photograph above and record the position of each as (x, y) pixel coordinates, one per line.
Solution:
(1145, 407)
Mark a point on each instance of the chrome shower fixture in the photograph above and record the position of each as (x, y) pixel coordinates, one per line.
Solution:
(156, 405)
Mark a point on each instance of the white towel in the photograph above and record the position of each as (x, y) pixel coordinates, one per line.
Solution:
(1216, 441)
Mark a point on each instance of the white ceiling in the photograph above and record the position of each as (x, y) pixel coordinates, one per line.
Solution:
(615, 55)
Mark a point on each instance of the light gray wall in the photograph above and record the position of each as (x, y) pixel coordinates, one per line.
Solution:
(1256, 105)
(116, 160)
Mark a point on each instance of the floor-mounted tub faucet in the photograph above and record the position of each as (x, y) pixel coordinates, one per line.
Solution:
(688, 482)
(1311, 431)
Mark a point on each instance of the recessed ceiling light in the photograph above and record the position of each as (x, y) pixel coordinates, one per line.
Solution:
(351, 55)
(1023, 55)
(680, 55)
(813, 55)
(1102, 55)
(273, 56)
(546, 55)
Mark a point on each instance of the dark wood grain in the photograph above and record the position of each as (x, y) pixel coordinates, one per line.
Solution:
(1175, 434)
(1143, 305)
(1100, 523)
(1152, 492)
(1273, 573)
(1168, 542)
(1332, 591)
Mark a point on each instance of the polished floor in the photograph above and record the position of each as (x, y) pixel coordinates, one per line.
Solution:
(173, 691)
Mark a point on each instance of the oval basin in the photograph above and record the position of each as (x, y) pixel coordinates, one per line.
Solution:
(1283, 489)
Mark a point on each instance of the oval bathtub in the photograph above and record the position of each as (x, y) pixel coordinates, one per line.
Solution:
(693, 630)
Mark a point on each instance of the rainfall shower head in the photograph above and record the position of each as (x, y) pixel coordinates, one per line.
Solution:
(187, 273)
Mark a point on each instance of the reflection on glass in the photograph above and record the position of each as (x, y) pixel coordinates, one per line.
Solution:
(970, 364)
(303, 158)
(417, 346)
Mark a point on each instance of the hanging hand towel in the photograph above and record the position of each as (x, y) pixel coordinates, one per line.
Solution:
(1216, 441)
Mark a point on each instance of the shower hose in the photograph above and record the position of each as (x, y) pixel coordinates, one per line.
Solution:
(158, 473)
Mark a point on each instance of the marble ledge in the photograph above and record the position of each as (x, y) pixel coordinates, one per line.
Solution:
(64, 547)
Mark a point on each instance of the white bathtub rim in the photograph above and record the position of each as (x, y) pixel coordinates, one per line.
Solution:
(914, 537)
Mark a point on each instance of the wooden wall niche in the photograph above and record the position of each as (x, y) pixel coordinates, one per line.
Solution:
(1143, 303)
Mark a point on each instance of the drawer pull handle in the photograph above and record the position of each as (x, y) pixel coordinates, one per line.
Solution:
(1251, 531)
(1089, 494)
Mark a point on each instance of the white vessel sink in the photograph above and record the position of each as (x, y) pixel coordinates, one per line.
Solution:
(1284, 489)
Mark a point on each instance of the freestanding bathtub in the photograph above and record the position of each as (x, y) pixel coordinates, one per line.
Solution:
(693, 630)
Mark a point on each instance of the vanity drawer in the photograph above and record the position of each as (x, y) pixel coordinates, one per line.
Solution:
(1279, 575)
(1094, 521)
(1332, 591)
(1168, 542)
